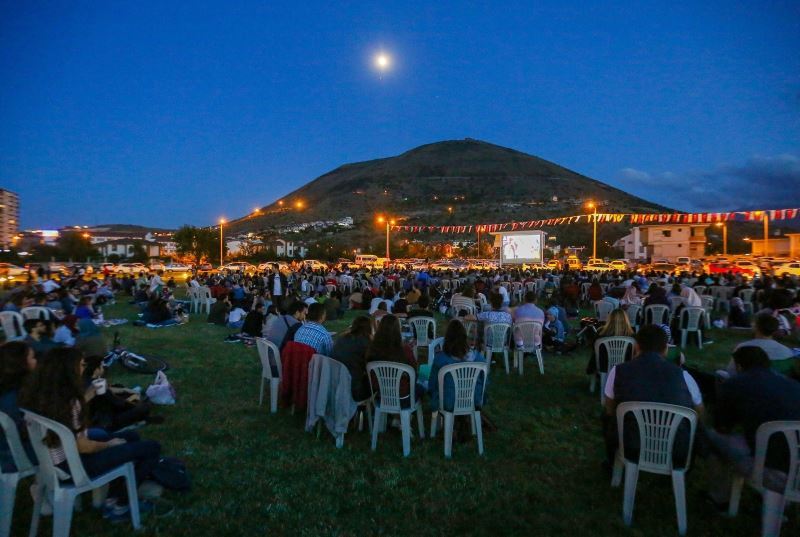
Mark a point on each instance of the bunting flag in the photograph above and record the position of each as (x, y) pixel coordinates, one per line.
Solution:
(613, 218)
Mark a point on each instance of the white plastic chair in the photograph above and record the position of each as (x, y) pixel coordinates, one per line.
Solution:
(708, 307)
(690, 322)
(387, 400)
(531, 334)
(193, 295)
(747, 298)
(517, 291)
(421, 332)
(700, 289)
(656, 314)
(634, 312)
(495, 339)
(602, 309)
(37, 312)
(9, 480)
(435, 345)
(50, 478)
(269, 354)
(617, 348)
(330, 288)
(205, 299)
(773, 502)
(658, 426)
(12, 323)
(465, 378)
(585, 291)
(674, 302)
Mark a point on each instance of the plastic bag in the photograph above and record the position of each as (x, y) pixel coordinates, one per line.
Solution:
(161, 391)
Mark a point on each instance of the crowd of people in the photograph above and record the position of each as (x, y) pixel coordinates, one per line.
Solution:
(50, 372)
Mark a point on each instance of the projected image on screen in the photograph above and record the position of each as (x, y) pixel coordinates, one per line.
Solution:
(522, 248)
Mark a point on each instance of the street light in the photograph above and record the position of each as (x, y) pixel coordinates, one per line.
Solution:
(724, 227)
(388, 223)
(221, 252)
(592, 205)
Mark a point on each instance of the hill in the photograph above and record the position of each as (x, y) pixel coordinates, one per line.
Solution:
(450, 182)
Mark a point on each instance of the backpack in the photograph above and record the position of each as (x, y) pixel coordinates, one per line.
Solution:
(171, 473)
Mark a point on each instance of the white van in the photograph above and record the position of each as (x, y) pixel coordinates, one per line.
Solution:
(370, 261)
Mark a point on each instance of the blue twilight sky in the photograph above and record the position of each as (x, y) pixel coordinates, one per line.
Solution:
(164, 113)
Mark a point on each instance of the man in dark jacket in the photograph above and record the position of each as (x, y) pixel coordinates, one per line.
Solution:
(648, 378)
(278, 286)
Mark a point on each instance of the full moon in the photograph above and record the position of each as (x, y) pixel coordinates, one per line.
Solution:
(382, 61)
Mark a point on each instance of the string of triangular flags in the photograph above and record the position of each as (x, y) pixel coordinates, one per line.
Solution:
(615, 218)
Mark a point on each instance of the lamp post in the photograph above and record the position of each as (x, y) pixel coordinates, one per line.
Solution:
(388, 223)
(221, 251)
(724, 227)
(592, 205)
(766, 233)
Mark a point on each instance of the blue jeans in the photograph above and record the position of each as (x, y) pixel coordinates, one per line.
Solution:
(237, 324)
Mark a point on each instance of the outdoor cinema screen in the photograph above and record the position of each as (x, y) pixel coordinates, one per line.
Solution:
(522, 247)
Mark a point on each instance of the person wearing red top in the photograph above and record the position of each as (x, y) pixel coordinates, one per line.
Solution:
(387, 346)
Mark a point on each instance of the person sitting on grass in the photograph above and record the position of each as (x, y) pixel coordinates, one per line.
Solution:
(85, 309)
(754, 396)
(313, 333)
(648, 377)
(553, 332)
(236, 317)
(781, 357)
(219, 310)
(55, 391)
(738, 316)
(351, 350)
(254, 322)
(39, 336)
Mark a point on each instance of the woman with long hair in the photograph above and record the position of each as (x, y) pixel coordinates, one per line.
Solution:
(17, 361)
(617, 325)
(351, 349)
(387, 346)
(56, 391)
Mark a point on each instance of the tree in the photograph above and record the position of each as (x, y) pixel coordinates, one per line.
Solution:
(76, 246)
(197, 242)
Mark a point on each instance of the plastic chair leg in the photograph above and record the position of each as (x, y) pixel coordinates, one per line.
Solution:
(405, 425)
(699, 339)
(619, 469)
(448, 434)
(772, 513)
(420, 421)
(133, 497)
(37, 509)
(541, 362)
(631, 478)
(261, 393)
(434, 423)
(679, 490)
(375, 428)
(8, 492)
(476, 418)
(603, 377)
(63, 504)
(683, 338)
(505, 360)
(274, 385)
(370, 423)
(592, 383)
(736, 495)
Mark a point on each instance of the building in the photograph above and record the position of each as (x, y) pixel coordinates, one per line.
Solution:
(9, 218)
(289, 249)
(787, 245)
(664, 241)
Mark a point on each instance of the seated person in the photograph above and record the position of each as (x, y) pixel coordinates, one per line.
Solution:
(617, 325)
(17, 362)
(738, 316)
(254, 322)
(553, 333)
(351, 349)
(85, 309)
(279, 325)
(754, 396)
(782, 358)
(496, 315)
(455, 350)
(236, 317)
(387, 346)
(39, 336)
(219, 310)
(648, 377)
(313, 333)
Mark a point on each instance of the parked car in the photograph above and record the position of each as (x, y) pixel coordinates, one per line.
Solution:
(110, 267)
(239, 266)
(788, 269)
(725, 268)
(177, 267)
(315, 264)
(131, 268)
(598, 267)
(156, 265)
(554, 264)
(12, 271)
(619, 264)
(659, 267)
(205, 267)
(748, 265)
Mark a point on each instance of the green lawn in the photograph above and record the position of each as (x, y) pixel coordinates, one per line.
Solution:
(256, 473)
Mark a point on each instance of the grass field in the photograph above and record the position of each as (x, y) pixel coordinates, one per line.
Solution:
(256, 473)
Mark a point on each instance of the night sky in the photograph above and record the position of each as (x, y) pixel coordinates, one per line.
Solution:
(141, 112)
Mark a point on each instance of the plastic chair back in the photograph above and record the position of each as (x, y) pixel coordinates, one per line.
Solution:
(633, 312)
(690, 318)
(36, 312)
(270, 355)
(656, 314)
(18, 454)
(531, 334)
(12, 323)
(421, 325)
(700, 289)
(38, 427)
(495, 335)
(602, 309)
(435, 345)
(747, 295)
(791, 431)
(388, 375)
(674, 302)
(585, 290)
(658, 426)
(465, 378)
(617, 348)
(708, 302)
